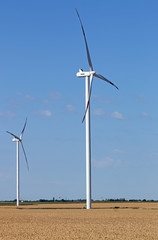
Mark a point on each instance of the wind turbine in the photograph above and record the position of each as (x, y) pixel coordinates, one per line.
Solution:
(17, 140)
(88, 89)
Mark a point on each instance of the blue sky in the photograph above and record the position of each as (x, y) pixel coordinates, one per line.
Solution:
(42, 48)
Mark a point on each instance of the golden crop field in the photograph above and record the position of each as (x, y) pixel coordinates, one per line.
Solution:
(109, 221)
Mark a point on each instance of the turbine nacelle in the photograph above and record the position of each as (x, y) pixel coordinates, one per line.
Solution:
(81, 73)
(15, 140)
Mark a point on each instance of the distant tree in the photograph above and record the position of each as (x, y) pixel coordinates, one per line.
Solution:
(43, 200)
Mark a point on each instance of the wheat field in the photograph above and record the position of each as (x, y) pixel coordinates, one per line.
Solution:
(111, 221)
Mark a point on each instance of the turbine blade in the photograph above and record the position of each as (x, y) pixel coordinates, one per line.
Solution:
(88, 55)
(90, 90)
(103, 78)
(23, 129)
(13, 135)
(24, 154)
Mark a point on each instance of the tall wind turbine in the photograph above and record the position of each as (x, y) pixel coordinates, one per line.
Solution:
(17, 140)
(88, 89)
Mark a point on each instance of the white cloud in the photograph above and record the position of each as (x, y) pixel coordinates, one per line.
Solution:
(104, 162)
(101, 112)
(26, 96)
(117, 115)
(98, 112)
(101, 100)
(45, 113)
(7, 114)
(70, 108)
(142, 99)
(154, 154)
(144, 114)
(55, 95)
(4, 176)
(46, 101)
(119, 151)
(10, 114)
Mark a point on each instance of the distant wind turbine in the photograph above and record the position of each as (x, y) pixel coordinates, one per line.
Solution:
(88, 89)
(17, 140)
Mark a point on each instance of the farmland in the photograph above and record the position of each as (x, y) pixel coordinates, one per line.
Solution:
(110, 221)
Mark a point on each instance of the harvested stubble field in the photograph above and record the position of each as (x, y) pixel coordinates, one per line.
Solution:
(124, 221)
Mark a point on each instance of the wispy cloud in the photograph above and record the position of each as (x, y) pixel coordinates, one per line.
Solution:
(119, 151)
(26, 96)
(55, 95)
(101, 112)
(153, 154)
(10, 114)
(7, 114)
(98, 112)
(4, 176)
(14, 103)
(46, 113)
(46, 101)
(142, 99)
(144, 114)
(70, 108)
(105, 162)
(117, 115)
(1, 114)
(101, 100)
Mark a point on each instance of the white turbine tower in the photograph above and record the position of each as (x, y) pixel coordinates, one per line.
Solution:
(88, 88)
(17, 140)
